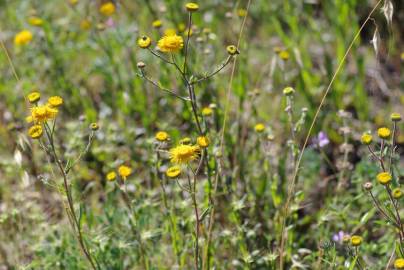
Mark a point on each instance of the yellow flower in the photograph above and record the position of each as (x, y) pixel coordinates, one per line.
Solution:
(73, 2)
(43, 113)
(366, 138)
(144, 42)
(288, 91)
(161, 136)
(111, 176)
(395, 117)
(35, 131)
(259, 127)
(85, 24)
(157, 24)
(397, 193)
(55, 101)
(191, 7)
(185, 140)
(203, 141)
(34, 97)
(232, 50)
(124, 171)
(384, 133)
(170, 32)
(173, 171)
(207, 111)
(356, 240)
(184, 153)
(35, 21)
(94, 126)
(284, 55)
(399, 263)
(384, 178)
(107, 9)
(241, 12)
(23, 38)
(170, 43)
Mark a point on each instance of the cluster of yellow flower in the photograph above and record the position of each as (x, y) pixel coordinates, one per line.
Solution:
(40, 114)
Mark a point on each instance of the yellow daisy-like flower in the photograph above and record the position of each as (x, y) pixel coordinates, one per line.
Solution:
(23, 38)
(35, 21)
(94, 126)
(55, 101)
(35, 131)
(170, 32)
(85, 24)
(111, 176)
(259, 127)
(384, 178)
(157, 24)
(144, 42)
(203, 141)
(284, 55)
(366, 138)
(356, 240)
(124, 171)
(384, 133)
(399, 263)
(107, 9)
(232, 50)
(173, 171)
(397, 193)
(161, 136)
(395, 117)
(172, 43)
(34, 97)
(241, 12)
(43, 113)
(207, 111)
(191, 7)
(184, 153)
(73, 2)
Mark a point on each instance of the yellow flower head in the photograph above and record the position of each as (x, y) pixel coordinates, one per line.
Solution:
(203, 141)
(173, 171)
(191, 7)
(170, 32)
(157, 24)
(107, 9)
(124, 171)
(34, 97)
(397, 193)
(384, 133)
(23, 38)
(85, 24)
(35, 21)
(207, 111)
(35, 131)
(259, 127)
(161, 136)
(172, 43)
(384, 178)
(284, 55)
(185, 140)
(184, 153)
(40, 114)
(111, 176)
(73, 2)
(55, 101)
(395, 117)
(399, 263)
(356, 240)
(94, 126)
(366, 138)
(241, 12)
(232, 50)
(288, 91)
(144, 42)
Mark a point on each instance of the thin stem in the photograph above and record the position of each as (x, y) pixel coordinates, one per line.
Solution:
(393, 142)
(187, 43)
(213, 73)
